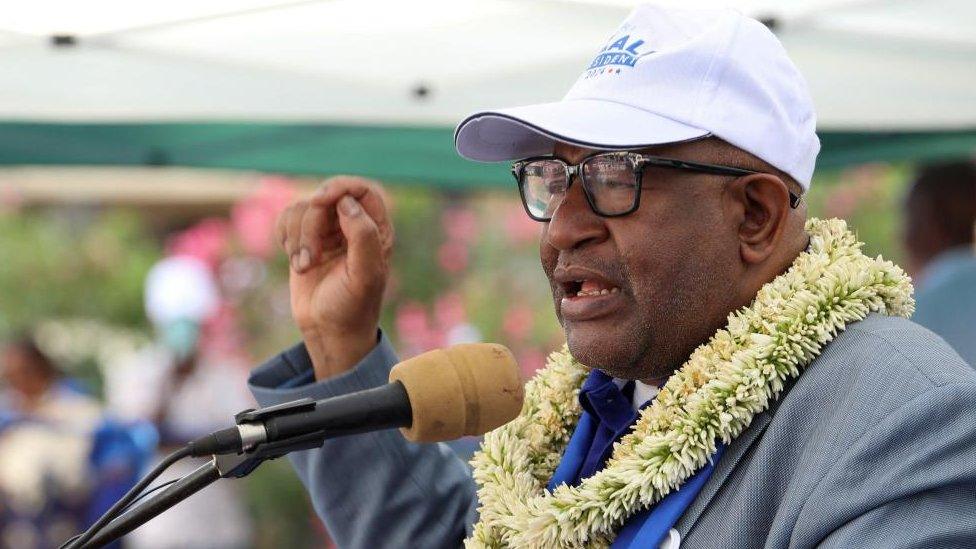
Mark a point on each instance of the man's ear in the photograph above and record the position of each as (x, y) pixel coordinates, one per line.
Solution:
(762, 207)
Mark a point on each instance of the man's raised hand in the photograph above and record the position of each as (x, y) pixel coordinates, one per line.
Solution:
(339, 243)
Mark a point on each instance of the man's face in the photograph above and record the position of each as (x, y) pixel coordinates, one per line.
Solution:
(636, 294)
(22, 376)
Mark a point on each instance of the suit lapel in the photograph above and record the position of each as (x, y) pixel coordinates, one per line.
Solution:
(733, 455)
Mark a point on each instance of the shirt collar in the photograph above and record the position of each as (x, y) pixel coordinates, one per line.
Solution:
(643, 393)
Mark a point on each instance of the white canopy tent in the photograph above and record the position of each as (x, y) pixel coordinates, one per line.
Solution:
(898, 66)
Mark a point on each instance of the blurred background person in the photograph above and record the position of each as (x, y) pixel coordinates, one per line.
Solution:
(187, 390)
(940, 222)
(46, 440)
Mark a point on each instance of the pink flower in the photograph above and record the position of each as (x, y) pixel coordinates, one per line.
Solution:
(411, 320)
(207, 241)
(453, 256)
(530, 360)
(460, 224)
(449, 310)
(414, 329)
(254, 217)
(519, 227)
(517, 322)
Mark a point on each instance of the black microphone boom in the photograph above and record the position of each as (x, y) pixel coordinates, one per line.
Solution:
(467, 389)
(383, 407)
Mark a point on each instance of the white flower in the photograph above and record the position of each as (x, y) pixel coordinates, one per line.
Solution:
(713, 396)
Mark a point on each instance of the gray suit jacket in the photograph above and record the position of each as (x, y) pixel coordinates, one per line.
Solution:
(873, 447)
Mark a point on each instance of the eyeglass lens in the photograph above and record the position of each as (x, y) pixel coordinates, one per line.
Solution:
(544, 184)
(609, 181)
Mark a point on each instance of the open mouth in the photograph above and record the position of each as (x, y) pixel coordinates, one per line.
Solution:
(589, 288)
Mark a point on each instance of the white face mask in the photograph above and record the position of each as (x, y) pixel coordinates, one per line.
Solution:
(180, 337)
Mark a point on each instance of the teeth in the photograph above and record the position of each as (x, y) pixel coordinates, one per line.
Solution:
(604, 291)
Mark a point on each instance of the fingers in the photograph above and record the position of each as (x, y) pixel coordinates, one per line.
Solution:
(288, 230)
(364, 258)
(311, 231)
(319, 231)
(365, 191)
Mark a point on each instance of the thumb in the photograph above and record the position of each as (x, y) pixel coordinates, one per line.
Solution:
(364, 251)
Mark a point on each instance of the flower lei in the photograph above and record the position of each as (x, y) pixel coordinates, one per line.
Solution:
(713, 396)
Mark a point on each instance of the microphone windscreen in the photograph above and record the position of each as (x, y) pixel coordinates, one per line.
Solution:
(466, 389)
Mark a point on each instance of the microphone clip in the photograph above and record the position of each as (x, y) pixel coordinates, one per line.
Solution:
(241, 464)
(260, 414)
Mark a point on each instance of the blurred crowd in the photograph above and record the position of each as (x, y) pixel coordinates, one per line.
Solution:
(68, 455)
(69, 449)
(49, 474)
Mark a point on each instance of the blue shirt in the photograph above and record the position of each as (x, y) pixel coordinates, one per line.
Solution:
(607, 416)
(945, 297)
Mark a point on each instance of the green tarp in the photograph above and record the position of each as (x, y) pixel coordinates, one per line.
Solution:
(390, 153)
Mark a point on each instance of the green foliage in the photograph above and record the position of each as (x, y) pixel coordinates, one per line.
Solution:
(280, 507)
(869, 198)
(505, 273)
(416, 215)
(80, 265)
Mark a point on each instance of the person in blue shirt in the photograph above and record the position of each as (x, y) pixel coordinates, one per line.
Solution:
(46, 438)
(940, 224)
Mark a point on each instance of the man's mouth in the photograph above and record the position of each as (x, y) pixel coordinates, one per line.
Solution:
(589, 299)
(589, 288)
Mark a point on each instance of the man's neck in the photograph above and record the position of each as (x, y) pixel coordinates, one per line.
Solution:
(654, 381)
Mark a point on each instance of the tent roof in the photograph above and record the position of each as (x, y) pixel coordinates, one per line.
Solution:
(375, 86)
(871, 65)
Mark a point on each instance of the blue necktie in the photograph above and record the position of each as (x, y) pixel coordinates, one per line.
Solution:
(607, 416)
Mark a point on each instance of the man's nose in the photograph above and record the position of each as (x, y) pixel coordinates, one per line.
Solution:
(574, 223)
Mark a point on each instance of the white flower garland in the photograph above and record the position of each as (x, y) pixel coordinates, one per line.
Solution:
(712, 397)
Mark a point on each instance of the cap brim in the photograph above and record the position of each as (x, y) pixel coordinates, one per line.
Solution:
(532, 130)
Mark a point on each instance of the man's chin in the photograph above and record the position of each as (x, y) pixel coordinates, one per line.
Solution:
(600, 349)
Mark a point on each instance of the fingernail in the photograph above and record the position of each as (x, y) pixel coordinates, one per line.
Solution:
(294, 261)
(304, 259)
(349, 206)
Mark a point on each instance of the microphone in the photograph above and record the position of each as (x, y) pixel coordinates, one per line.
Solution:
(466, 389)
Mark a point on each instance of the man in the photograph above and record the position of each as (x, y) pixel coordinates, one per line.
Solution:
(939, 231)
(180, 386)
(46, 440)
(689, 283)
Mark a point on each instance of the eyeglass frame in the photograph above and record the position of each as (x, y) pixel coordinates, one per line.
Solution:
(574, 171)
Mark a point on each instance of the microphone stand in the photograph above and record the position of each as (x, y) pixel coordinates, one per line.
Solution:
(219, 466)
(142, 513)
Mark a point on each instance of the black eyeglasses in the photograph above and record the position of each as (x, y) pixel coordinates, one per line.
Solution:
(611, 181)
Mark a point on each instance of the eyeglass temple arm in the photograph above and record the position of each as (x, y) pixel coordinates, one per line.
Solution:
(710, 168)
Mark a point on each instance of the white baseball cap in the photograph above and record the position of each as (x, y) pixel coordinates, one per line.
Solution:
(668, 75)
(180, 288)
